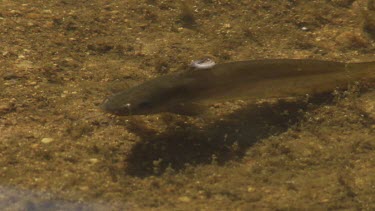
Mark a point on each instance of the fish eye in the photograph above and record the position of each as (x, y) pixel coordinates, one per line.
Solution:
(126, 106)
(144, 105)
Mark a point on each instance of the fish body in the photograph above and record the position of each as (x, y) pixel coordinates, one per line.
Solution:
(254, 79)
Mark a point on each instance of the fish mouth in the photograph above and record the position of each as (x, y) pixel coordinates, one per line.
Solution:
(107, 107)
(104, 105)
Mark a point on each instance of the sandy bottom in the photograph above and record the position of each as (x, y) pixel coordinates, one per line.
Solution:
(60, 59)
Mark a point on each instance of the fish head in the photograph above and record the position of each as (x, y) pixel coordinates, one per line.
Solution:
(134, 102)
(151, 97)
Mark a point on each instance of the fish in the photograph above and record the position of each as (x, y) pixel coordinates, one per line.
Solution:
(187, 90)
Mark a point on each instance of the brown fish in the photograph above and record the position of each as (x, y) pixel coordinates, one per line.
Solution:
(256, 79)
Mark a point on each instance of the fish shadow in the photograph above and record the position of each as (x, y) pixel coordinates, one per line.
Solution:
(227, 139)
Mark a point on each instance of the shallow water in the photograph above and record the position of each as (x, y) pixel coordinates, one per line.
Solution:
(60, 59)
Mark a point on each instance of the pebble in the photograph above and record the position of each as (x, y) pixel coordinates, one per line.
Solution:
(93, 160)
(25, 64)
(47, 140)
(5, 108)
(84, 188)
(184, 199)
(366, 103)
(250, 189)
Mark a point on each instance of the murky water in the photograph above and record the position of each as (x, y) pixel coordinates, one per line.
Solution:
(60, 59)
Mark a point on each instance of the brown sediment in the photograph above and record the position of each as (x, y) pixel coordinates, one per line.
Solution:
(60, 59)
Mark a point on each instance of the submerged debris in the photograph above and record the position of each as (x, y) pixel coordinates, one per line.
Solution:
(187, 14)
(369, 19)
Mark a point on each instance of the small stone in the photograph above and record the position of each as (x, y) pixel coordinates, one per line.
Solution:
(32, 83)
(250, 189)
(84, 188)
(227, 26)
(34, 146)
(25, 64)
(5, 108)
(48, 24)
(366, 103)
(47, 11)
(93, 160)
(184, 199)
(47, 140)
